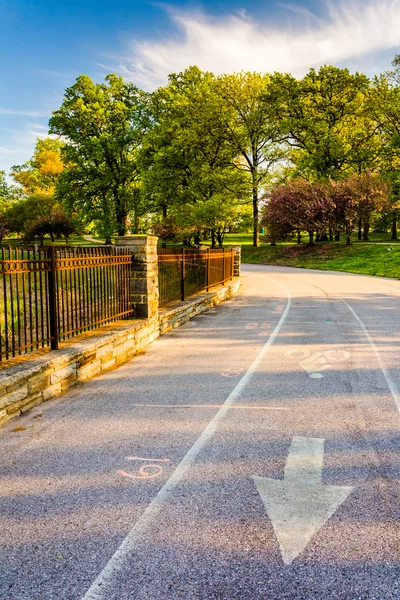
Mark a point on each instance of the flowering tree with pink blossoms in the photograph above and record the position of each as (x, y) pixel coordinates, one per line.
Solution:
(300, 205)
(297, 206)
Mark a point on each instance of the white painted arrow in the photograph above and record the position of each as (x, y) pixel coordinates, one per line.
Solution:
(299, 505)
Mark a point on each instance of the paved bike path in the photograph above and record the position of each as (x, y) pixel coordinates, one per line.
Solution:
(167, 477)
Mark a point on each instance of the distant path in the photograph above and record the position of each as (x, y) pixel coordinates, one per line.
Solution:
(250, 455)
(91, 239)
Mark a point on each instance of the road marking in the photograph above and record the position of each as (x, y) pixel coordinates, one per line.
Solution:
(232, 372)
(237, 406)
(299, 505)
(145, 471)
(391, 384)
(319, 361)
(251, 326)
(98, 589)
(148, 459)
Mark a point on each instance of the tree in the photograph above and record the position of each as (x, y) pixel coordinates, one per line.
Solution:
(104, 125)
(253, 133)
(298, 205)
(385, 107)
(8, 194)
(57, 224)
(188, 159)
(39, 175)
(39, 215)
(358, 196)
(322, 118)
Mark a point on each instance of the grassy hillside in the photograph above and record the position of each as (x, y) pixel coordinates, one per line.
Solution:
(367, 258)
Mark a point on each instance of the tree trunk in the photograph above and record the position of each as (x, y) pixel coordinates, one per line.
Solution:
(311, 234)
(394, 225)
(330, 234)
(299, 237)
(120, 214)
(366, 230)
(136, 223)
(337, 236)
(359, 230)
(256, 237)
(212, 238)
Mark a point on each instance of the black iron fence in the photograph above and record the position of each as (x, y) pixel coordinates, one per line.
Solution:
(182, 273)
(51, 294)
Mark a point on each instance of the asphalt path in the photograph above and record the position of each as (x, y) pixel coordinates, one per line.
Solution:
(252, 454)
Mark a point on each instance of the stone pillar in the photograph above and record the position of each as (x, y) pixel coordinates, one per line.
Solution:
(145, 273)
(236, 260)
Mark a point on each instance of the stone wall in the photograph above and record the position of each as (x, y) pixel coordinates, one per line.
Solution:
(26, 384)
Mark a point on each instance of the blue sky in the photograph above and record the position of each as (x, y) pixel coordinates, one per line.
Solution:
(46, 45)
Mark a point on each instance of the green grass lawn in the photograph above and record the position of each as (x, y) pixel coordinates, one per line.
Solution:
(74, 240)
(246, 239)
(367, 258)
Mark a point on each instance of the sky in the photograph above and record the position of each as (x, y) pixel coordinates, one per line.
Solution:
(45, 45)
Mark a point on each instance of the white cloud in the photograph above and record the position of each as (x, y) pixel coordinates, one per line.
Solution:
(24, 113)
(347, 31)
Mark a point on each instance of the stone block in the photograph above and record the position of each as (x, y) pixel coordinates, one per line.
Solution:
(15, 396)
(51, 391)
(85, 359)
(35, 401)
(21, 381)
(62, 374)
(40, 382)
(129, 344)
(26, 404)
(121, 359)
(69, 382)
(108, 365)
(118, 350)
(89, 370)
(104, 350)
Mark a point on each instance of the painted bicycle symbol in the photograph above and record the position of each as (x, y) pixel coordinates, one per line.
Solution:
(316, 362)
(146, 471)
(232, 372)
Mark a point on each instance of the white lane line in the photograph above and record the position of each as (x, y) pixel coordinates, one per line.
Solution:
(238, 406)
(391, 384)
(98, 589)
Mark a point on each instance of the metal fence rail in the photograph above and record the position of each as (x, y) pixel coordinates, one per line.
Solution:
(51, 294)
(24, 300)
(182, 273)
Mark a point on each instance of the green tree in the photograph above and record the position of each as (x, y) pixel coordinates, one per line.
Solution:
(253, 132)
(27, 210)
(104, 125)
(188, 159)
(323, 118)
(385, 107)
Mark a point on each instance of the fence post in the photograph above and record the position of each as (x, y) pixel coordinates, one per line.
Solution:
(236, 260)
(52, 284)
(145, 273)
(183, 275)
